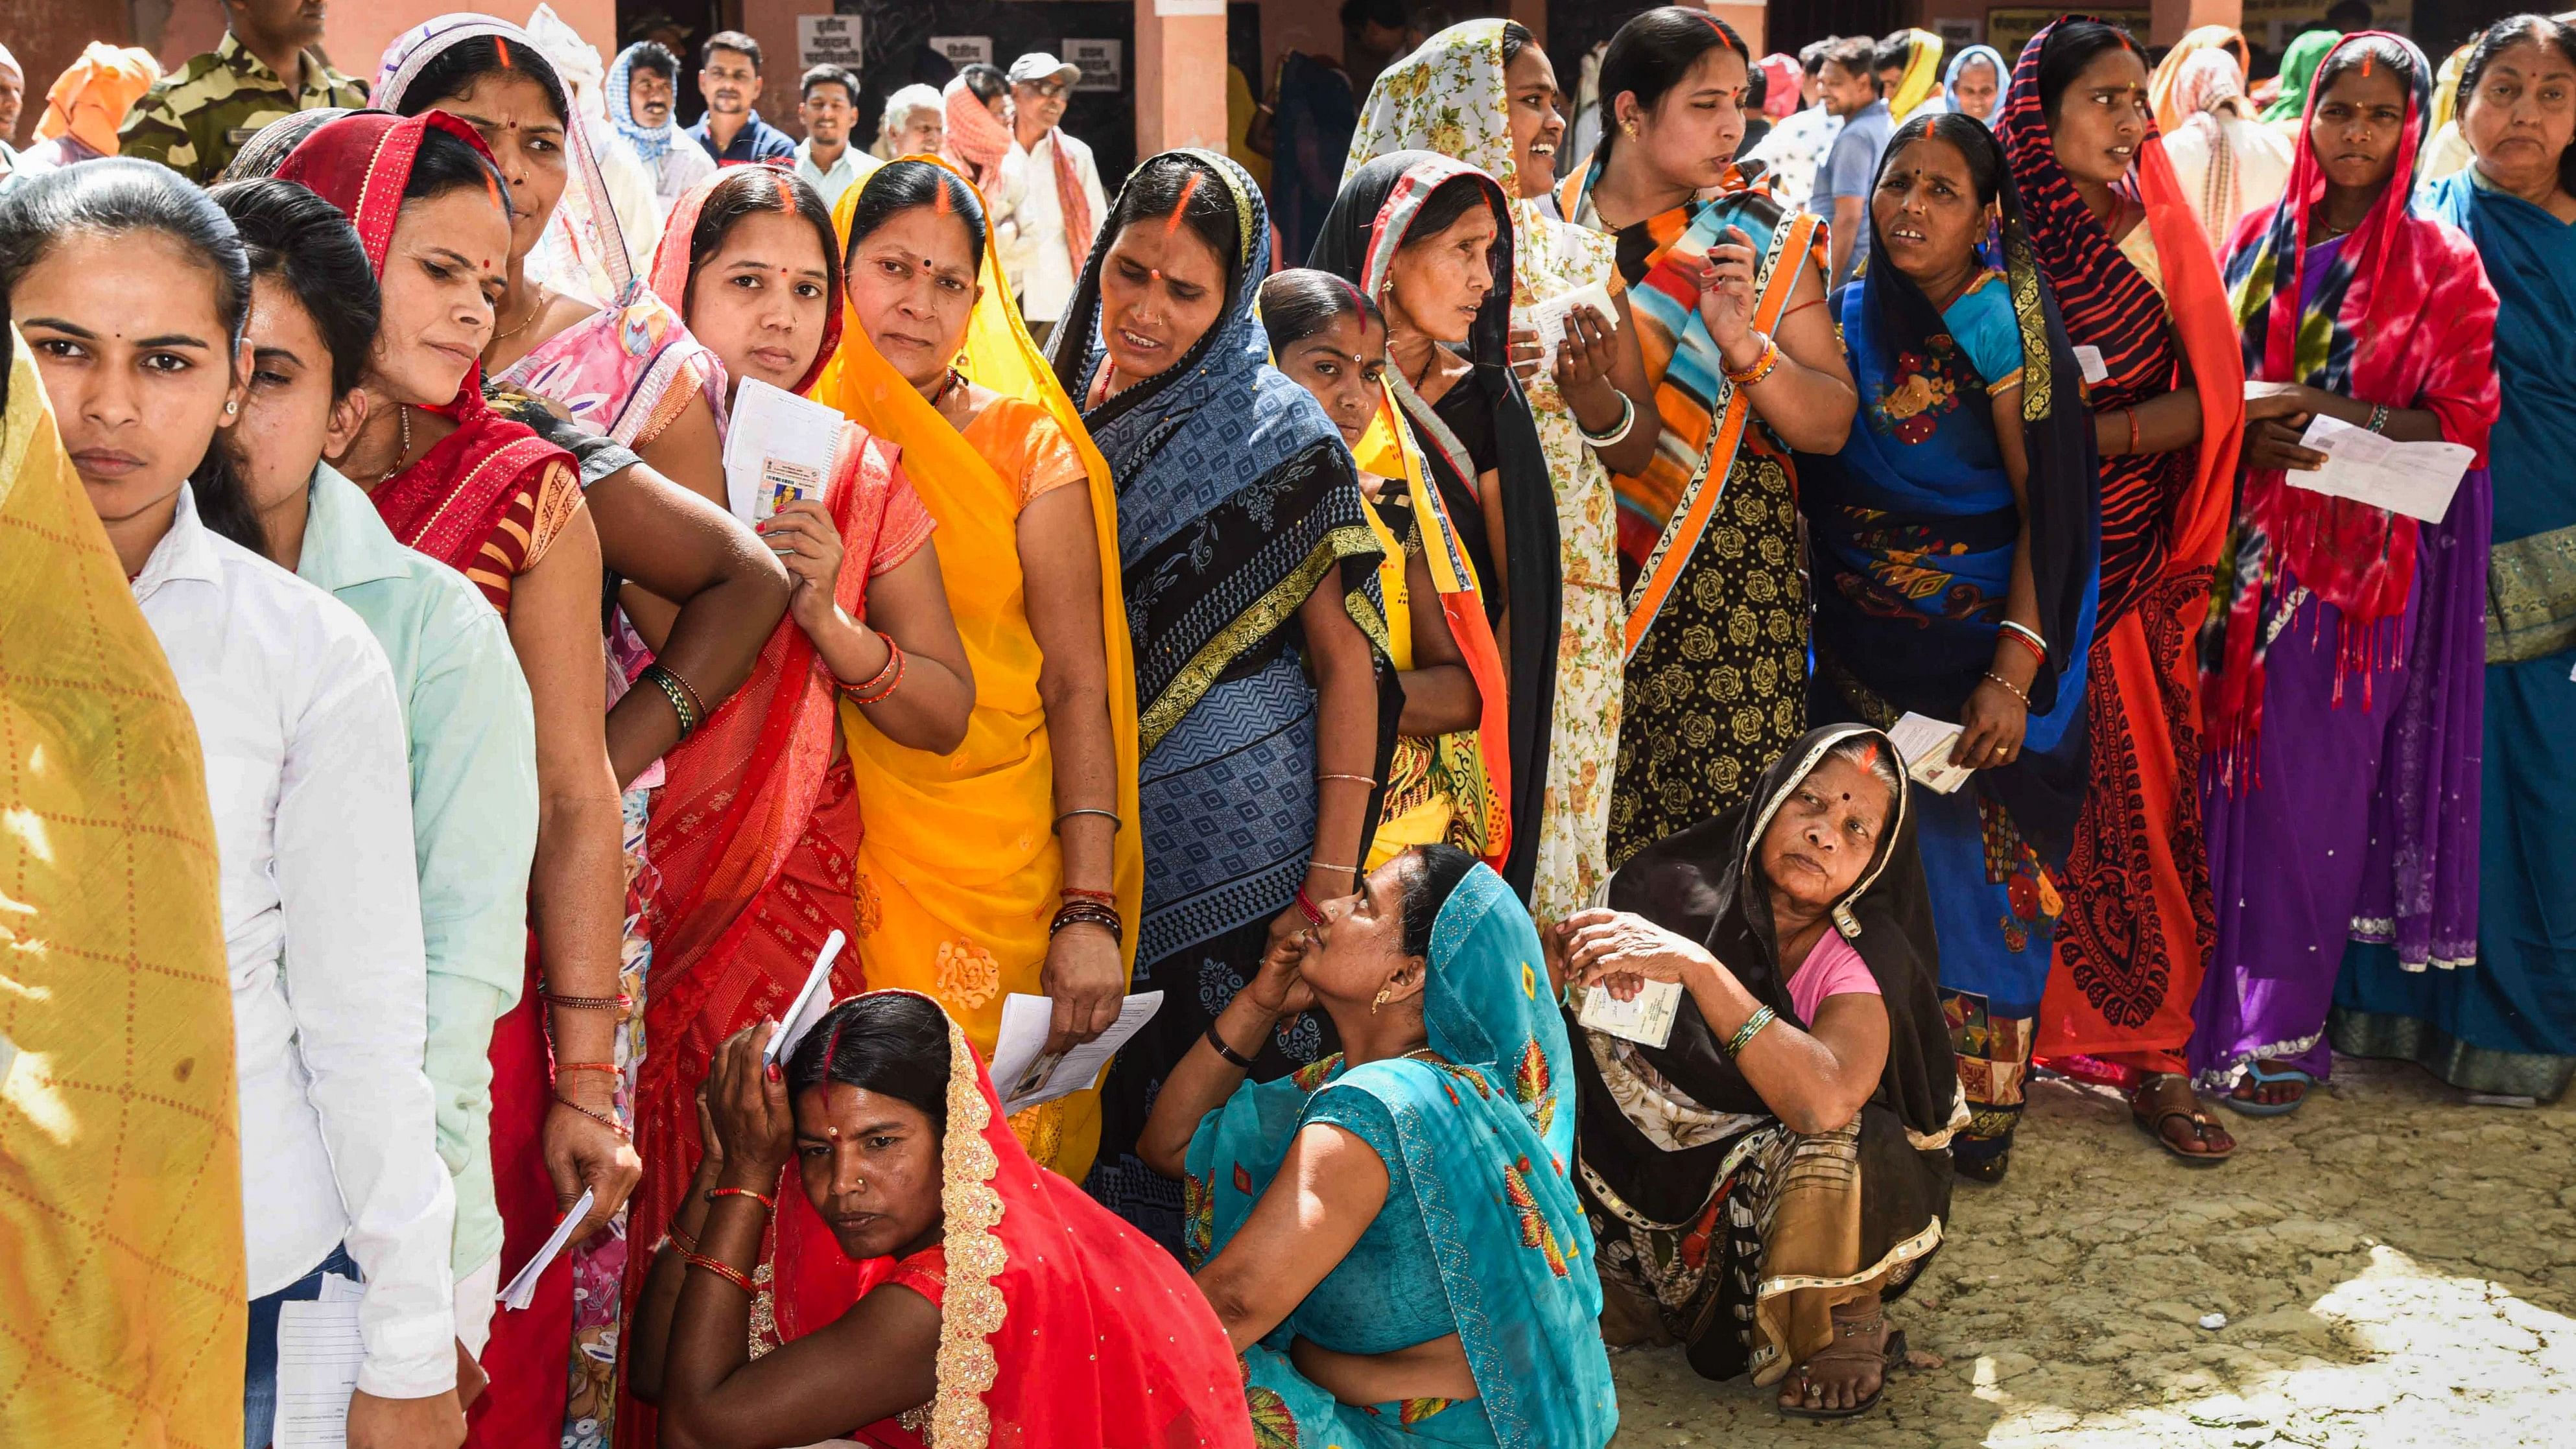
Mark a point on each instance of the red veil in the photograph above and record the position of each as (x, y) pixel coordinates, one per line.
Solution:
(756, 832)
(453, 505)
(1061, 1327)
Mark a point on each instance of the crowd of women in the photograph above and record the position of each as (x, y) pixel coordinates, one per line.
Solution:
(1384, 661)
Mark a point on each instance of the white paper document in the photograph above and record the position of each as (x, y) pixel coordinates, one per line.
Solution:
(2416, 479)
(1023, 1072)
(319, 1350)
(812, 1000)
(1647, 1021)
(1925, 743)
(778, 449)
(2088, 360)
(523, 1289)
(1548, 317)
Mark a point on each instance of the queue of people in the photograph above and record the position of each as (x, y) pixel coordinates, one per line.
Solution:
(1399, 675)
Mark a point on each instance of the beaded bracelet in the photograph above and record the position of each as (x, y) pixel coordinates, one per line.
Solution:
(2379, 416)
(1762, 1016)
(2016, 690)
(726, 1271)
(1232, 1056)
(1088, 913)
(765, 1200)
(602, 1118)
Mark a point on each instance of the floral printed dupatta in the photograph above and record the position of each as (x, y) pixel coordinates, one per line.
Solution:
(1485, 1134)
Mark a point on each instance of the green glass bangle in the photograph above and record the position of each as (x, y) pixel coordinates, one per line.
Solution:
(1762, 1016)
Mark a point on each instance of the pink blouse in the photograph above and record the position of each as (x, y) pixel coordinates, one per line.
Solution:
(1833, 968)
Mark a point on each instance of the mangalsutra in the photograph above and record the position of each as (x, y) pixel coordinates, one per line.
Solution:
(953, 381)
(402, 449)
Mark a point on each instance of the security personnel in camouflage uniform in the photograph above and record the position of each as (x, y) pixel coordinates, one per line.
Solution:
(196, 117)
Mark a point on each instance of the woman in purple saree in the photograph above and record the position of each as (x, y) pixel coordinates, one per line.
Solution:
(2342, 659)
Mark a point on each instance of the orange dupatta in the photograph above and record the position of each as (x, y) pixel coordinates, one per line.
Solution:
(959, 873)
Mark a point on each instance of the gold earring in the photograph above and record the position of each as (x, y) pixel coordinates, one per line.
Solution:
(1631, 128)
(1383, 993)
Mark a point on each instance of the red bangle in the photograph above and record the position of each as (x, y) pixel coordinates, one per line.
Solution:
(761, 1198)
(2133, 428)
(2024, 641)
(1078, 893)
(687, 1243)
(1306, 907)
(726, 1271)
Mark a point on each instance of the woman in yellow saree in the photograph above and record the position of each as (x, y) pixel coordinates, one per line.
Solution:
(1008, 866)
(116, 1025)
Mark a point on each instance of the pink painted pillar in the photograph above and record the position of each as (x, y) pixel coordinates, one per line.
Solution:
(773, 24)
(2174, 18)
(1749, 21)
(1180, 75)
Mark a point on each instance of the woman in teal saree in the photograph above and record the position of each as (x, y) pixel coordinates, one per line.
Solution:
(1389, 1235)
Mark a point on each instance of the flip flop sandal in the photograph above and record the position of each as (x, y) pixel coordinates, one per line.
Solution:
(2254, 1073)
(2154, 1127)
(1891, 1356)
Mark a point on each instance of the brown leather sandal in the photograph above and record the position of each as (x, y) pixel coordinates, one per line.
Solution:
(1889, 1356)
(2151, 1119)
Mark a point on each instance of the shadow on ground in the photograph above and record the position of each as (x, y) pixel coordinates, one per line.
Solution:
(2394, 1267)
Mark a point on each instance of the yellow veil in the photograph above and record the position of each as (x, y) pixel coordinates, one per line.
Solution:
(958, 868)
(1922, 73)
(120, 1227)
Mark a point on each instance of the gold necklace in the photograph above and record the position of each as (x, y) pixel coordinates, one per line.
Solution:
(533, 314)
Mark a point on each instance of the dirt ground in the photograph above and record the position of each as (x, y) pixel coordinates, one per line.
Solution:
(2395, 1268)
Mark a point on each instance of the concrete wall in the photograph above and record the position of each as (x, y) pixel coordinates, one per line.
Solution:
(356, 32)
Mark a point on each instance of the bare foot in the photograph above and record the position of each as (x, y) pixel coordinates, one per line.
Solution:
(1846, 1374)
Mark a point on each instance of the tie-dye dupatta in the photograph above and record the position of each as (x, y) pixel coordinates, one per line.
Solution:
(1486, 1136)
(2402, 316)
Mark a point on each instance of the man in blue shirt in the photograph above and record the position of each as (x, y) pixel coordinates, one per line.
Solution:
(731, 131)
(1849, 84)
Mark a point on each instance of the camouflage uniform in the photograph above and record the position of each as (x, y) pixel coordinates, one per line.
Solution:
(196, 117)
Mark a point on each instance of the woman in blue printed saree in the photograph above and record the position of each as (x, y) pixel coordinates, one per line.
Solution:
(2506, 1025)
(2340, 661)
(1955, 542)
(1267, 704)
(1389, 1235)
(1727, 299)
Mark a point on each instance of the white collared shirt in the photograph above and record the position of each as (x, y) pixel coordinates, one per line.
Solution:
(1047, 272)
(853, 167)
(307, 774)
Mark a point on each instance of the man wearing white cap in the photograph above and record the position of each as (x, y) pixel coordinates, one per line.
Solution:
(1064, 202)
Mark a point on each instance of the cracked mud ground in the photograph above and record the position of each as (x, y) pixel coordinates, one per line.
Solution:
(2395, 1267)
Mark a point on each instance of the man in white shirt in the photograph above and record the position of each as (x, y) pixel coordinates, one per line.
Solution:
(825, 158)
(1063, 205)
(1798, 144)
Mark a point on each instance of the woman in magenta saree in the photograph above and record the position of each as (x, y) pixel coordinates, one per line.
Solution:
(2341, 660)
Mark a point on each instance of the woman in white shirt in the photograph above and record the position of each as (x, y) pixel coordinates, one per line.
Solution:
(131, 289)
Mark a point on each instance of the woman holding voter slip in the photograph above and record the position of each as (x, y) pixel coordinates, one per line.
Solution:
(1013, 865)
(759, 823)
(2340, 665)
(1954, 542)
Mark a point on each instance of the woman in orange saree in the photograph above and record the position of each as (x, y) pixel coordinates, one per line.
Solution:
(985, 872)
(758, 827)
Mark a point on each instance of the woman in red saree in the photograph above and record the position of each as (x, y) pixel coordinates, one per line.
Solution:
(2143, 302)
(933, 1284)
(758, 827)
(487, 497)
